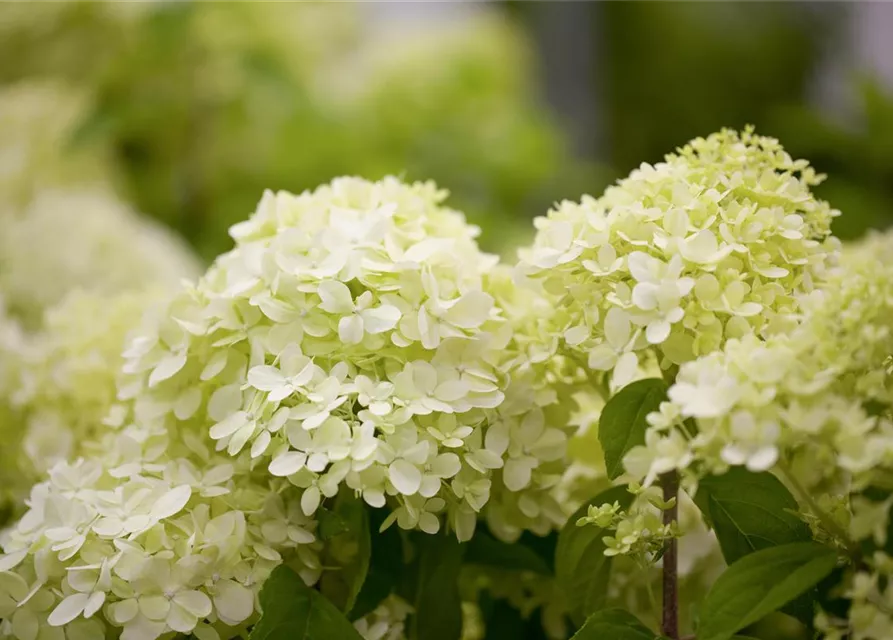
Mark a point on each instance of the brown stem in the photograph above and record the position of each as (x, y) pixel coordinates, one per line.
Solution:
(670, 623)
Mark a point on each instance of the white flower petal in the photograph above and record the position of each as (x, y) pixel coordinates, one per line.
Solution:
(265, 378)
(381, 319)
(405, 477)
(172, 502)
(287, 463)
(471, 310)
(69, 609)
(167, 368)
(335, 297)
(195, 602)
(350, 329)
(233, 602)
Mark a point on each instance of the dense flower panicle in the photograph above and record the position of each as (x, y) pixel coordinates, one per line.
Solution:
(815, 402)
(798, 396)
(534, 422)
(157, 535)
(69, 239)
(65, 382)
(717, 242)
(348, 340)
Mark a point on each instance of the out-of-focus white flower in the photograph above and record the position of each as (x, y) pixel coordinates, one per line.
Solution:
(83, 240)
(386, 622)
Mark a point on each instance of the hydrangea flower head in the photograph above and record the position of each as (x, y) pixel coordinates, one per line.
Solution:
(59, 383)
(157, 534)
(798, 396)
(348, 339)
(716, 242)
(65, 240)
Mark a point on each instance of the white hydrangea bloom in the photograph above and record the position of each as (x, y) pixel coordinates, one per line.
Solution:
(386, 622)
(60, 382)
(157, 534)
(351, 339)
(799, 396)
(80, 239)
(718, 241)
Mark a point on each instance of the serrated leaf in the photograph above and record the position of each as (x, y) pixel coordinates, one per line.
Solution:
(386, 565)
(615, 624)
(347, 553)
(294, 611)
(751, 511)
(581, 568)
(622, 423)
(436, 602)
(760, 583)
(485, 550)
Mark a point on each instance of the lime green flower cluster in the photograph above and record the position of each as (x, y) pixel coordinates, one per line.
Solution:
(799, 398)
(814, 403)
(348, 340)
(77, 269)
(717, 242)
(386, 622)
(66, 382)
(156, 534)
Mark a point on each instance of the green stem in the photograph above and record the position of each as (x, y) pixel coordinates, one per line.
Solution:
(827, 521)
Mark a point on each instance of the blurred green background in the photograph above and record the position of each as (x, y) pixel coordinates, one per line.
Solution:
(198, 107)
(190, 110)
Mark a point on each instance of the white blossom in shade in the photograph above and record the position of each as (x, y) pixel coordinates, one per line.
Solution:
(355, 337)
(721, 240)
(386, 622)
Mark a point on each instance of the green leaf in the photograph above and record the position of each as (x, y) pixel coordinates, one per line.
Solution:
(386, 565)
(294, 611)
(761, 583)
(581, 567)
(543, 546)
(622, 424)
(347, 552)
(750, 511)
(502, 621)
(437, 605)
(487, 551)
(615, 624)
(331, 524)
